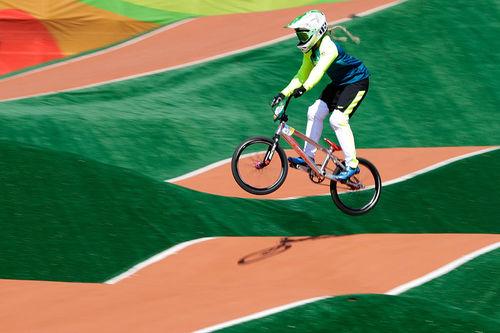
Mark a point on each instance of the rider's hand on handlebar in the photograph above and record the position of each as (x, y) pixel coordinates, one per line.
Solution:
(299, 92)
(277, 99)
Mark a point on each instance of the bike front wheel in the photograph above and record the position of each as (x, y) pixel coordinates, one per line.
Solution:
(360, 193)
(250, 169)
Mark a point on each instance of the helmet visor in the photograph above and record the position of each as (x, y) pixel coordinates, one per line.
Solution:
(303, 35)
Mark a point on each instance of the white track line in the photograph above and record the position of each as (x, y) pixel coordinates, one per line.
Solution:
(438, 165)
(260, 314)
(395, 291)
(132, 41)
(199, 171)
(160, 256)
(380, 8)
(442, 270)
(188, 64)
(207, 168)
(416, 173)
(387, 183)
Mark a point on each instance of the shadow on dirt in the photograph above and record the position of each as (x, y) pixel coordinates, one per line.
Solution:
(284, 244)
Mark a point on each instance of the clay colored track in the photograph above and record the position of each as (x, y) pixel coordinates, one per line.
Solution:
(392, 163)
(190, 42)
(206, 280)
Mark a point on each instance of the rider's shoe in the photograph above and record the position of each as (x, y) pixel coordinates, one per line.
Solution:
(347, 173)
(298, 161)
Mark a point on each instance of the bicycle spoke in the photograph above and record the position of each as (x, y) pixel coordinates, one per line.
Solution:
(359, 193)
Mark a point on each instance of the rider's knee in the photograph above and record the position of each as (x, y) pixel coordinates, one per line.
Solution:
(317, 111)
(338, 119)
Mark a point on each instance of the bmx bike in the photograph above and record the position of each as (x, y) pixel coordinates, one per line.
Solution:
(259, 166)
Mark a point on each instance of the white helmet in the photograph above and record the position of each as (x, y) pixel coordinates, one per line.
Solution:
(309, 27)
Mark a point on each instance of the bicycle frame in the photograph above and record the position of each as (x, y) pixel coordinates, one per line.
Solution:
(287, 133)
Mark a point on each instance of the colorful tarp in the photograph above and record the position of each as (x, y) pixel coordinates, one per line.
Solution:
(33, 32)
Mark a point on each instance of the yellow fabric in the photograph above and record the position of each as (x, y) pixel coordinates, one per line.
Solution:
(301, 76)
(327, 54)
(218, 7)
(309, 73)
(355, 102)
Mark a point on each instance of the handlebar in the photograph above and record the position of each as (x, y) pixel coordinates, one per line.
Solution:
(287, 102)
(282, 115)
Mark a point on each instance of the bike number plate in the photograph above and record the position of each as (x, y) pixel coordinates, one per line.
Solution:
(288, 130)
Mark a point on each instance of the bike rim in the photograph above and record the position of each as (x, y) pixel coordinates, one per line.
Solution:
(360, 192)
(255, 177)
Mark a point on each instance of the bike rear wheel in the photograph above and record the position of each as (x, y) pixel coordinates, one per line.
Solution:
(250, 171)
(360, 193)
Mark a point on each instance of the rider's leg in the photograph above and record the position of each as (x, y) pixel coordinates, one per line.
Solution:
(340, 124)
(315, 116)
(349, 100)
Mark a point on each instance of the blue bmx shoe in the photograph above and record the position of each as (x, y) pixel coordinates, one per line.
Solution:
(294, 161)
(347, 173)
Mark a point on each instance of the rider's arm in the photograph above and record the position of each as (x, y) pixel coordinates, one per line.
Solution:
(328, 53)
(300, 77)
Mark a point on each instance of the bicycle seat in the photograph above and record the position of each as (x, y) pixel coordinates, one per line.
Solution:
(334, 146)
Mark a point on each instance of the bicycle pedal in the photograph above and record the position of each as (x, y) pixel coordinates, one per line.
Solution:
(303, 168)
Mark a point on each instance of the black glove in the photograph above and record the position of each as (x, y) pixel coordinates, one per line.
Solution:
(277, 99)
(299, 92)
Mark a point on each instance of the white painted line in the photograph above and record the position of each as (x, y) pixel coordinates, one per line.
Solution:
(160, 256)
(199, 171)
(132, 41)
(259, 314)
(196, 62)
(395, 291)
(380, 8)
(207, 168)
(157, 71)
(442, 270)
(438, 165)
(416, 173)
(387, 183)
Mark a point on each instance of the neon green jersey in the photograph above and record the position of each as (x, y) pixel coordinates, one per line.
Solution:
(328, 58)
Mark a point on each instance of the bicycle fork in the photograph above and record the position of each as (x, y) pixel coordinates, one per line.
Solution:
(269, 154)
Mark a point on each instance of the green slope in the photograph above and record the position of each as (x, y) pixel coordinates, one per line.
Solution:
(446, 304)
(473, 287)
(434, 84)
(371, 313)
(65, 217)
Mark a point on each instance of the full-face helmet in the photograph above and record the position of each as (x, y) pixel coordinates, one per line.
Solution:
(309, 27)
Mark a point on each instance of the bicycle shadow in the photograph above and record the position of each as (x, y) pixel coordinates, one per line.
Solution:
(284, 244)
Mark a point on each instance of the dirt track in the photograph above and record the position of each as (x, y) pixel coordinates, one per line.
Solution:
(391, 163)
(195, 40)
(204, 285)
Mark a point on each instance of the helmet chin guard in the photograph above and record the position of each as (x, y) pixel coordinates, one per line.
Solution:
(309, 27)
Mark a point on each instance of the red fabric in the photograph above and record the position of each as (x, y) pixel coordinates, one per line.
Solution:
(24, 41)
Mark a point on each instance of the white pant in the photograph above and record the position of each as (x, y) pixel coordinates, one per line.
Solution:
(339, 122)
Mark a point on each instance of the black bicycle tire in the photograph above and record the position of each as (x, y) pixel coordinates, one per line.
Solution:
(370, 205)
(250, 189)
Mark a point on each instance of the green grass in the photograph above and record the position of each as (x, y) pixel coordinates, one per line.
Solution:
(371, 313)
(434, 85)
(446, 304)
(472, 287)
(81, 173)
(68, 218)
